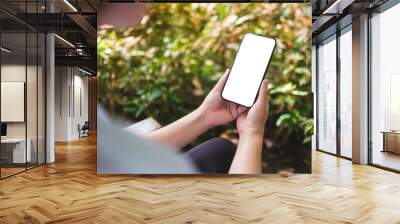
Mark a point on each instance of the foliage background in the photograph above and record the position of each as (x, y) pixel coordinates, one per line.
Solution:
(165, 66)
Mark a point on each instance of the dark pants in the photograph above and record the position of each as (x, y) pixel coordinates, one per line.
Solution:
(213, 156)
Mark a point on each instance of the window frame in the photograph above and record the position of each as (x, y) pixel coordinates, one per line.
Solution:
(380, 9)
(27, 29)
(346, 23)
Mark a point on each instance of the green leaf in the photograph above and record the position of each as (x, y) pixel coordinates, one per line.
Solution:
(283, 118)
(154, 95)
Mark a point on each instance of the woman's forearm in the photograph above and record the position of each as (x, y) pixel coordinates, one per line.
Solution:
(181, 132)
(247, 159)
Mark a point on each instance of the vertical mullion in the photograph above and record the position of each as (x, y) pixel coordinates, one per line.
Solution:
(26, 86)
(369, 90)
(60, 86)
(317, 97)
(73, 92)
(69, 92)
(37, 89)
(0, 95)
(338, 74)
(45, 88)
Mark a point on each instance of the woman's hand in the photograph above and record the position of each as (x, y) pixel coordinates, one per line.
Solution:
(250, 126)
(253, 120)
(212, 112)
(217, 111)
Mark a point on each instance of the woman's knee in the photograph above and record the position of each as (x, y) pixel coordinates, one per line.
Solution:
(214, 155)
(218, 141)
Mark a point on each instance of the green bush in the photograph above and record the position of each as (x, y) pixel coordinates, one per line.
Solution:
(165, 66)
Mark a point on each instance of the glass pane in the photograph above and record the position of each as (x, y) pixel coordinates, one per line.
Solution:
(314, 73)
(31, 98)
(41, 98)
(32, 89)
(13, 86)
(385, 84)
(346, 94)
(327, 96)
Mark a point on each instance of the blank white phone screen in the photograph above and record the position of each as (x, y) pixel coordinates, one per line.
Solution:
(248, 69)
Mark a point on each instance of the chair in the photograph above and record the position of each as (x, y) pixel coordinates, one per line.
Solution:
(84, 130)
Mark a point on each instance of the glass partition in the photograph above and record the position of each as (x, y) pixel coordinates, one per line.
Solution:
(346, 92)
(31, 99)
(22, 91)
(327, 95)
(385, 89)
(41, 109)
(14, 153)
(35, 50)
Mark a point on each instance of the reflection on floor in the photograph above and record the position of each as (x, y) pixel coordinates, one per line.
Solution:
(10, 170)
(387, 159)
(70, 191)
(346, 152)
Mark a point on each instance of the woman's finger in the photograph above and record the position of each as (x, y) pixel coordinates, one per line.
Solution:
(221, 82)
(263, 94)
(241, 109)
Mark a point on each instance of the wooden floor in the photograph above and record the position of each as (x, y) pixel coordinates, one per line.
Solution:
(387, 159)
(5, 172)
(69, 191)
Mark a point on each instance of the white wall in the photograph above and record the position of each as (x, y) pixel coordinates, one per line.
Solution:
(71, 94)
(62, 81)
(12, 73)
(80, 110)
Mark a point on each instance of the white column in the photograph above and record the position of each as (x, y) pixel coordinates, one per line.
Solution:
(50, 99)
(360, 90)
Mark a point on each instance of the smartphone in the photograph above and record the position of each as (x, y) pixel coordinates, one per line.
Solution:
(248, 69)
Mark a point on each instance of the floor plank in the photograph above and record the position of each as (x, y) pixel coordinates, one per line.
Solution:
(69, 191)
